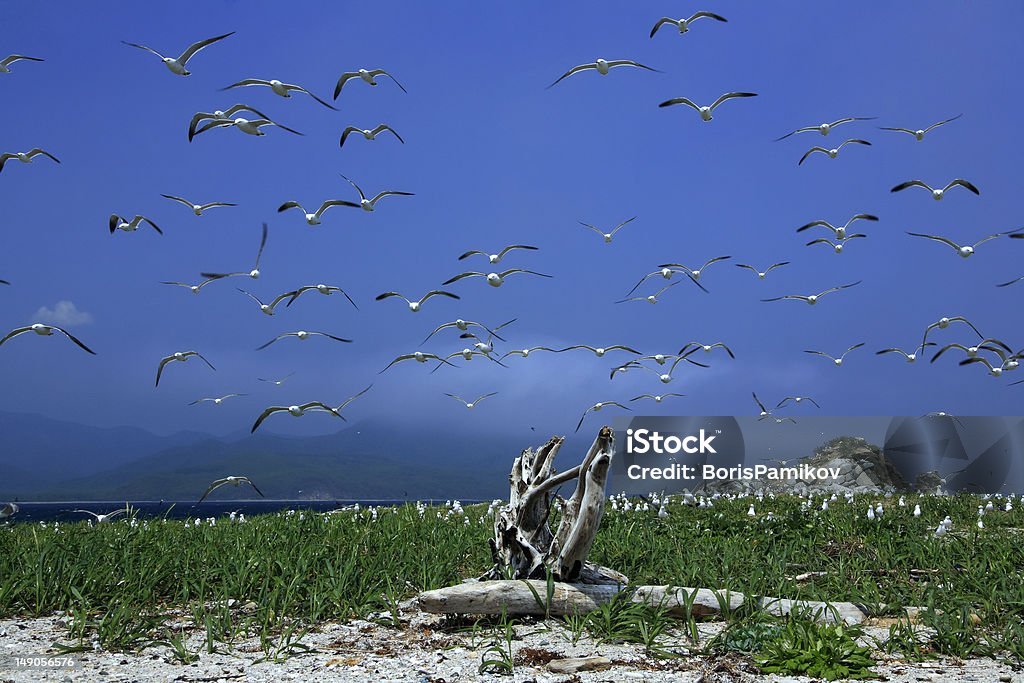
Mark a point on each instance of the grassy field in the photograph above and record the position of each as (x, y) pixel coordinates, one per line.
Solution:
(118, 581)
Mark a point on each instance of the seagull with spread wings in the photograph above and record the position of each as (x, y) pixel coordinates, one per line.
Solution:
(825, 128)
(496, 258)
(667, 273)
(798, 400)
(608, 235)
(117, 222)
(371, 204)
(461, 325)
(837, 361)
(5, 63)
(838, 245)
(367, 75)
(26, 157)
(920, 132)
(840, 232)
(177, 65)
(303, 335)
(255, 272)
(834, 152)
(601, 66)
(684, 24)
(937, 194)
(368, 133)
(326, 290)
(268, 309)
(278, 88)
(911, 356)
(706, 111)
(471, 404)
(219, 115)
(295, 411)
(314, 218)
(596, 407)
(197, 209)
(812, 299)
(493, 279)
(247, 126)
(215, 401)
(695, 273)
(180, 356)
(414, 306)
(44, 330)
(234, 481)
(963, 250)
(762, 274)
(650, 298)
(192, 288)
(944, 322)
(419, 357)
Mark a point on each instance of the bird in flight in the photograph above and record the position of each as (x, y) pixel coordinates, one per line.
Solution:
(367, 75)
(837, 361)
(44, 330)
(608, 235)
(684, 24)
(215, 401)
(25, 157)
(920, 132)
(197, 209)
(496, 258)
(117, 222)
(493, 279)
(234, 481)
(937, 194)
(368, 133)
(5, 63)
(812, 299)
(839, 232)
(180, 356)
(706, 111)
(371, 204)
(762, 274)
(963, 250)
(302, 335)
(414, 306)
(278, 88)
(177, 65)
(255, 272)
(911, 357)
(471, 404)
(601, 66)
(218, 115)
(834, 152)
(825, 128)
(596, 407)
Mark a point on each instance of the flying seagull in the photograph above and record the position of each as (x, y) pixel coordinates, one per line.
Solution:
(117, 222)
(695, 273)
(468, 354)
(462, 325)
(599, 351)
(944, 322)
(657, 398)
(651, 298)
(1003, 284)
(972, 351)
(602, 66)
(663, 377)
(236, 481)
(837, 361)
(496, 258)
(218, 115)
(684, 24)
(839, 232)
(197, 209)
(493, 279)
(337, 411)
(276, 382)
(269, 308)
(525, 353)
(177, 66)
(667, 273)
(994, 370)
(964, 250)
(255, 272)
(706, 348)
(608, 235)
(4, 282)
(761, 274)
(798, 399)
(368, 76)
(25, 157)
(5, 63)
(471, 404)
(278, 88)
(486, 346)
(813, 298)
(215, 401)
(326, 290)
(44, 330)
(920, 132)
(181, 356)
(834, 152)
(314, 218)
(302, 335)
(417, 356)
(103, 519)
(765, 413)
(370, 204)
(706, 111)
(368, 133)
(936, 194)
(824, 128)
(414, 306)
(838, 245)
(596, 407)
(245, 125)
(193, 288)
(911, 357)
(295, 411)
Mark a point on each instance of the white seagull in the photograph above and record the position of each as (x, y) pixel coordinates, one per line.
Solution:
(44, 330)
(303, 335)
(5, 63)
(657, 398)
(278, 88)
(249, 127)
(25, 157)
(103, 519)
(368, 133)
(762, 274)
(602, 66)
(471, 404)
(695, 273)
(181, 356)
(417, 356)
(600, 351)
(368, 76)
(177, 66)
(235, 481)
(798, 399)
(706, 348)
(255, 272)
(765, 413)
(608, 235)
(812, 299)
(276, 382)
(193, 288)
(824, 128)
(493, 279)
(838, 245)
(117, 222)
(337, 411)
(370, 204)
(920, 132)
(684, 24)
(461, 325)
(295, 411)
(910, 357)
(8, 510)
(525, 353)
(197, 209)
(944, 322)
(834, 152)
(326, 290)
(994, 370)
(667, 273)
(218, 115)
(937, 194)
(964, 250)
(651, 298)
(268, 309)
(314, 218)
(468, 354)
(414, 306)
(706, 111)
(496, 258)
(596, 407)
(836, 361)
(839, 232)
(216, 401)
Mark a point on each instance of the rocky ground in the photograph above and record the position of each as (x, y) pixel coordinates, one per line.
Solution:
(425, 649)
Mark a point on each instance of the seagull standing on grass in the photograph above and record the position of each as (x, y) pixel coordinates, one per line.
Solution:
(45, 331)
(920, 132)
(596, 407)
(25, 157)
(5, 63)
(825, 128)
(602, 66)
(235, 481)
(837, 361)
(255, 272)
(368, 133)
(278, 88)
(197, 209)
(180, 356)
(937, 194)
(706, 111)
(684, 24)
(834, 152)
(177, 65)
(367, 75)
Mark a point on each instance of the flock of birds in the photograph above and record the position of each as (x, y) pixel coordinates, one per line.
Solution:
(995, 355)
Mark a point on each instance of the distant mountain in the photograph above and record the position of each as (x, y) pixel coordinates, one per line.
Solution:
(376, 459)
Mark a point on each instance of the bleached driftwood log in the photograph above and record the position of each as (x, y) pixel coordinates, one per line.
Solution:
(523, 546)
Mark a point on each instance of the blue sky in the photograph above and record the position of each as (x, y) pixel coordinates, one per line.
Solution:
(495, 158)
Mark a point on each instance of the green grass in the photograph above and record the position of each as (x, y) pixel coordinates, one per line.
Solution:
(119, 581)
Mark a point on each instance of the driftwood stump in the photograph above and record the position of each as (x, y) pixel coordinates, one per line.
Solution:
(523, 546)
